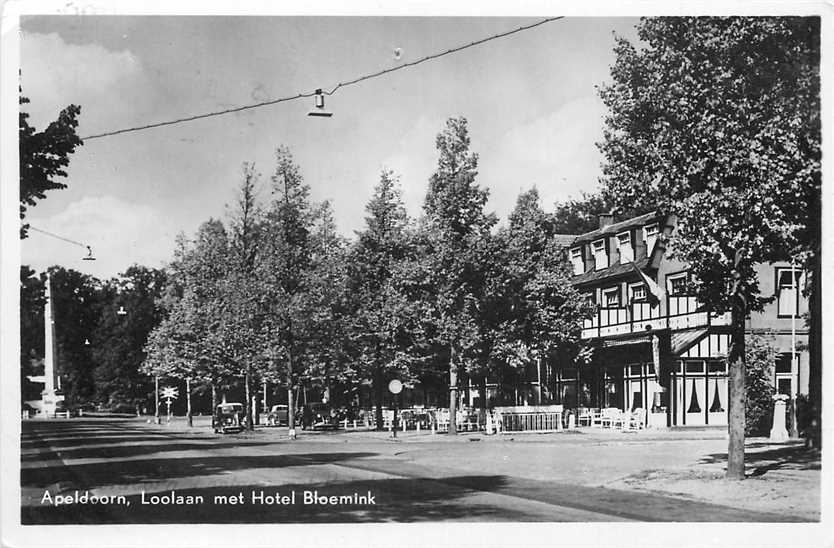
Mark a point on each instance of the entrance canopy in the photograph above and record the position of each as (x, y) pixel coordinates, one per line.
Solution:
(683, 340)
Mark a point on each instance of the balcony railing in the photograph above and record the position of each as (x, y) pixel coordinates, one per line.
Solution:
(638, 317)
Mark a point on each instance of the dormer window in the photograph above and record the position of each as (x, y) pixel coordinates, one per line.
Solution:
(676, 284)
(638, 293)
(611, 297)
(650, 232)
(576, 260)
(600, 254)
(625, 248)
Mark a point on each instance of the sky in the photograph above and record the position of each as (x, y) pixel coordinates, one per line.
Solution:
(530, 99)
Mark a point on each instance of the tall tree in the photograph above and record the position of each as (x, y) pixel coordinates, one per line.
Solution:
(457, 235)
(376, 319)
(537, 311)
(284, 271)
(721, 115)
(242, 312)
(327, 293)
(44, 155)
(197, 280)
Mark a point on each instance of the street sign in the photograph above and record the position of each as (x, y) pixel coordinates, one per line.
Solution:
(395, 386)
(170, 392)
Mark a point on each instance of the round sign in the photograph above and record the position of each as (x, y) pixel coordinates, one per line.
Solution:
(395, 386)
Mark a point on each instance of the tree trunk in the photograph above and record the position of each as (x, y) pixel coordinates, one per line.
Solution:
(736, 425)
(814, 429)
(378, 394)
(247, 380)
(214, 402)
(188, 413)
(290, 399)
(256, 409)
(483, 384)
(453, 391)
(156, 400)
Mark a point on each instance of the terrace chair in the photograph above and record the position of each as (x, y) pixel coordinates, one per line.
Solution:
(619, 418)
(598, 418)
(637, 420)
(584, 415)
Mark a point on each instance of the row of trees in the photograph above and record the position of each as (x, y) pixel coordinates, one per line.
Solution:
(98, 350)
(275, 294)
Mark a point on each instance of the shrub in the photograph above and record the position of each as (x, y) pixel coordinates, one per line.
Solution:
(761, 360)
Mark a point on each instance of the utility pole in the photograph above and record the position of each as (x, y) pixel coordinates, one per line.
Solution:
(794, 433)
(156, 399)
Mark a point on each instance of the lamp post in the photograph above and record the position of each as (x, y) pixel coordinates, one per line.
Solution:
(794, 362)
(395, 387)
(156, 400)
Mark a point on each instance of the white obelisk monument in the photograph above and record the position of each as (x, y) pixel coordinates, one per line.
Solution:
(52, 381)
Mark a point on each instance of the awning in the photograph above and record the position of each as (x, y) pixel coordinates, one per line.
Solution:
(641, 338)
(684, 340)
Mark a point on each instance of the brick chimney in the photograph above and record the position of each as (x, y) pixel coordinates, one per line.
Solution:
(605, 219)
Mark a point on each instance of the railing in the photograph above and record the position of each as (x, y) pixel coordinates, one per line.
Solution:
(545, 418)
(620, 321)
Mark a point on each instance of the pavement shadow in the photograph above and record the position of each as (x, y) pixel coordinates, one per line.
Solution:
(127, 451)
(83, 440)
(137, 472)
(395, 500)
(791, 457)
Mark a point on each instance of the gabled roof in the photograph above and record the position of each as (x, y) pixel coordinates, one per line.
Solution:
(646, 218)
(616, 270)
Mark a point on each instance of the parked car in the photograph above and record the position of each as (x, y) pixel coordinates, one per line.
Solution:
(229, 418)
(279, 415)
(323, 416)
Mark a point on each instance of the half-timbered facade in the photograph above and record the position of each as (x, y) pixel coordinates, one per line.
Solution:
(654, 346)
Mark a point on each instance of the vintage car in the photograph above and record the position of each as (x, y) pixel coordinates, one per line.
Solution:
(229, 418)
(278, 416)
(320, 416)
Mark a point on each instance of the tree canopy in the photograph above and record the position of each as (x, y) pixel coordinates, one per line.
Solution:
(44, 155)
(715, 120)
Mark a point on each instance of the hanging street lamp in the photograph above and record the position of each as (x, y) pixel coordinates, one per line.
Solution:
(319, 111)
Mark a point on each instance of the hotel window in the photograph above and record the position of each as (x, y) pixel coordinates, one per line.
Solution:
(783, 362)
(650, 233)
(611, 297)
(576, 260)
(600, 254)
(787, 291)
(638, 293)
(676, 284)
(784, 374)
(625, 248)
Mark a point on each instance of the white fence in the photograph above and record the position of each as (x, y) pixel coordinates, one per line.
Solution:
(539, 418)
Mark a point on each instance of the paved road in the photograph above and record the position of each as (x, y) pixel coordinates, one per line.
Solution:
(264, 477)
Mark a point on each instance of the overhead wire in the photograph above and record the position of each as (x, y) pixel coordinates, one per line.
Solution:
(56, 236)
(325, 92)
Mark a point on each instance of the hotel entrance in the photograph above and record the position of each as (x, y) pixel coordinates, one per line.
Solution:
(699, 383)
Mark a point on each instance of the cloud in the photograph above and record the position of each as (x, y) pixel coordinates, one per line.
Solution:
(55, 74)
(120, 233)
